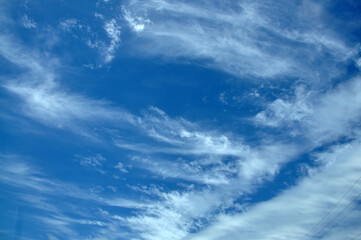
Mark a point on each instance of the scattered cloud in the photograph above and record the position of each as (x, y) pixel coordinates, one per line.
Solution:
(212, 174)
(91, 38)
(358, 63)
(225, 166)
(52, 198)
(137, 24)
(293, 213)
(95, 162)
(28, 22)
(244, 39)
(99, 15)
(69, 24)
(319, 117)
(120, 167)
(112, 29)
(23, 175)
(220, 165)
(43, 98)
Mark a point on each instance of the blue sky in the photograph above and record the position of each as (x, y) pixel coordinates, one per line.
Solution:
(180, 119)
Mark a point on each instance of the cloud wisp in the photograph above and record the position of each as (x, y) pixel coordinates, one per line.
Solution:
(196, 180)
(218, 161)
(245, 39)
(320, 118)
(52, 198)
(295, 212)
(44, 99)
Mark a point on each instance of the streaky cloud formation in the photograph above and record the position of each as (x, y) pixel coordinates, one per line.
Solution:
(180, 120)
(320, 118)
(43, 103)
(291, 214)
(44, 99)
(242, 38)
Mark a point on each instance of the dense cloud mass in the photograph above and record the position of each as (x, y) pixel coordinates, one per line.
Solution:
(180, 120)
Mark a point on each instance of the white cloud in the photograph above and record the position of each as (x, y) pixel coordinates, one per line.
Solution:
(183, 210)
(137, 24)
(295, 211)
(82, 31)
(53, 201)
(182, 136)
(244, 39)
(22, 175)
(222, 162)
(69, 24)
(99, 15)
(251, 166)
(319, 117)
(358, 63)
(208, 170)
(44, 99)
(213, 169)
(120, 167)
(176, 214)
(91, 161)
(287, 112)
(112, 29)
(28, 22)
(48, 104)
(179, 212)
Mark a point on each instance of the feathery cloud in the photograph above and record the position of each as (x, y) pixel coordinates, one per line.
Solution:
(242, 38)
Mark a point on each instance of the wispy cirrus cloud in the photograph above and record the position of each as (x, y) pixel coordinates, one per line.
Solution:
(295, 213)
(28, 22)
(20, 174)
(113, 31)
(316, 116)
(52, 198)
(44, 99)
(91, 161)
(246, 39)
(107, 45)
(215, 184)
(241, 38)
(223, 167)
(136, 23)
(333, 117)
(217, 161)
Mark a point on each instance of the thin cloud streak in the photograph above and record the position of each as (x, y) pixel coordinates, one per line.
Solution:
(244, 38)
(21, 175)
(295, 211)
(320, 118)
(45, 100)
(247, 41)
(251, 167)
